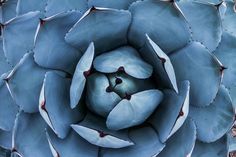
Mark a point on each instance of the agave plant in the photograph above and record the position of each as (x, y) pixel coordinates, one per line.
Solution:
(114, 78)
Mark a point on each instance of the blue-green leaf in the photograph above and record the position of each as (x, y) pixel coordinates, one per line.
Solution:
(214, 149)
(5, 139)
(126, 58)
(172, 112)
(225, 52)
(25, 82)
(54, 104)
(79, 79)
(91, 28)
(229, 20)
(29, 138)
(117, 4)
(132, 112)
(50, 46)
(25, 6)
(98, 99)
(196, 64)
(147, 144)
(205, 22)
(182, 142)
(214, 121)
(8, 108)
(58, 6)
(5, 66)
(72, 146)
(22, 29)
(8, 10)
(94, 130)
(161, 63)
(161, 21)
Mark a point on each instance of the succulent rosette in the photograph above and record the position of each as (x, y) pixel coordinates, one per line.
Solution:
(114, 78)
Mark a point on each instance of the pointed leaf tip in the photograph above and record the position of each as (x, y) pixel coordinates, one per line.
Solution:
(166, 63)
(131, 112)
(80, 74)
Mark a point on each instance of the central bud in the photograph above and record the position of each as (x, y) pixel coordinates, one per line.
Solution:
(123, 84)
(121, 77)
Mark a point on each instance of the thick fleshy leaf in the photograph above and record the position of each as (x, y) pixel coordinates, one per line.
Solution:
(72, 146)
(4, 64)
(8, 10)
(160, 62)
(214, 120)
(94, 130)
(146, 141)
(25, 82)
(50, 46)
(222, 7)
(89, 27)
(4, 152)
(126, 58)
(54, 104)
(124, 84)
(229, 20)
(98, 99)
(134, 111)
(57, 6)
(205, 22)
(196, 64)
(22, 28)
(147, 15)
(182, 142)
(202, 1)
(8, 108)
(225, 52)
(5, 139)
(232, 92)
(120, 4)
(79, 79)
(172, 112)
(29, 137)
(214, 149)
(25, 6)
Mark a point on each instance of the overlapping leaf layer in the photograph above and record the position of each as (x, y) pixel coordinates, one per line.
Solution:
(114, 78)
